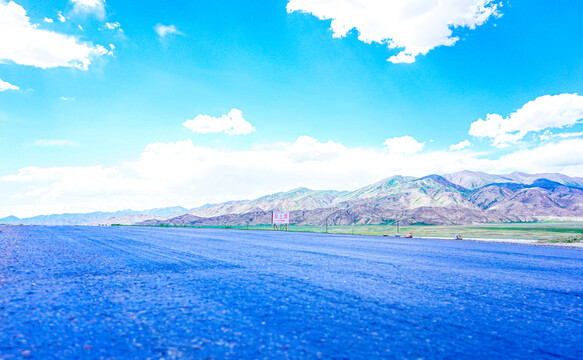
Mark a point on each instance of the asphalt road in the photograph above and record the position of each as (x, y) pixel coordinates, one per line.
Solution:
(123, 292)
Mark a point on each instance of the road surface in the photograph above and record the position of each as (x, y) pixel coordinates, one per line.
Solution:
(180, 293)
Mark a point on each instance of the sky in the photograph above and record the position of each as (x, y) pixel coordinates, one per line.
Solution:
(108, 105)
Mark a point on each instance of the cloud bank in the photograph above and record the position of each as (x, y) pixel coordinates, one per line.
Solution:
(182, 173)
(24, 43)
(415, 27)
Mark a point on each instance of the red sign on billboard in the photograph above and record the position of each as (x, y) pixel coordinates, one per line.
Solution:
(280, 218)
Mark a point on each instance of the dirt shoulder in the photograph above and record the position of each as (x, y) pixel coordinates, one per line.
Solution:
(534, 242)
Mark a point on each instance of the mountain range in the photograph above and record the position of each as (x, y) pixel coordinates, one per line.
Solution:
(96, 217)
(464, 197)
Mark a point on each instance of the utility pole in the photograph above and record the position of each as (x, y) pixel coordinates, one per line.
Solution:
(351, 221)
(327, 217)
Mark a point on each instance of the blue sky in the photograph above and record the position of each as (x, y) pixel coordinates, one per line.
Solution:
(120, 105)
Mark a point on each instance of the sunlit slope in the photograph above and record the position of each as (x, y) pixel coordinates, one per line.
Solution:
(475, 179)
(296, 199)
(408, 193)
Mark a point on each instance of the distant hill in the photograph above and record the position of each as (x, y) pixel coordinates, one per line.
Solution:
(296, 199)
(129, 219)
(9, 220)
(465, 197)
(474, 179)
(94, 218)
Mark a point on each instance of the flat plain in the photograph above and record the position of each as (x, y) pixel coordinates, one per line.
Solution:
(137, 292)
(551, 231)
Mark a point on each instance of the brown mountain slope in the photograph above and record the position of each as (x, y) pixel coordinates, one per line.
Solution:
(562, 201)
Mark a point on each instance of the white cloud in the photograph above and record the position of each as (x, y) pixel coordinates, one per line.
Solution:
(552, 157)
(548, 135)
(165, 30)
(232, 124)
(7, 86)
(309, 149)
(61, 17)
(54, 143)
(113, 26)
(460, 145)
(64, 98)
(544, 112)
(403, 145)
(182, 173)
(24, 43)
(414, 26)
(47, 20)
(568, 135)
(94, 7)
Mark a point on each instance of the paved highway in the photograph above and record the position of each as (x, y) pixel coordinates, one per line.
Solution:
(178, 293)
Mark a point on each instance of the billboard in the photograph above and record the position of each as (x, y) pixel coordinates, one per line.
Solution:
(280, 218)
